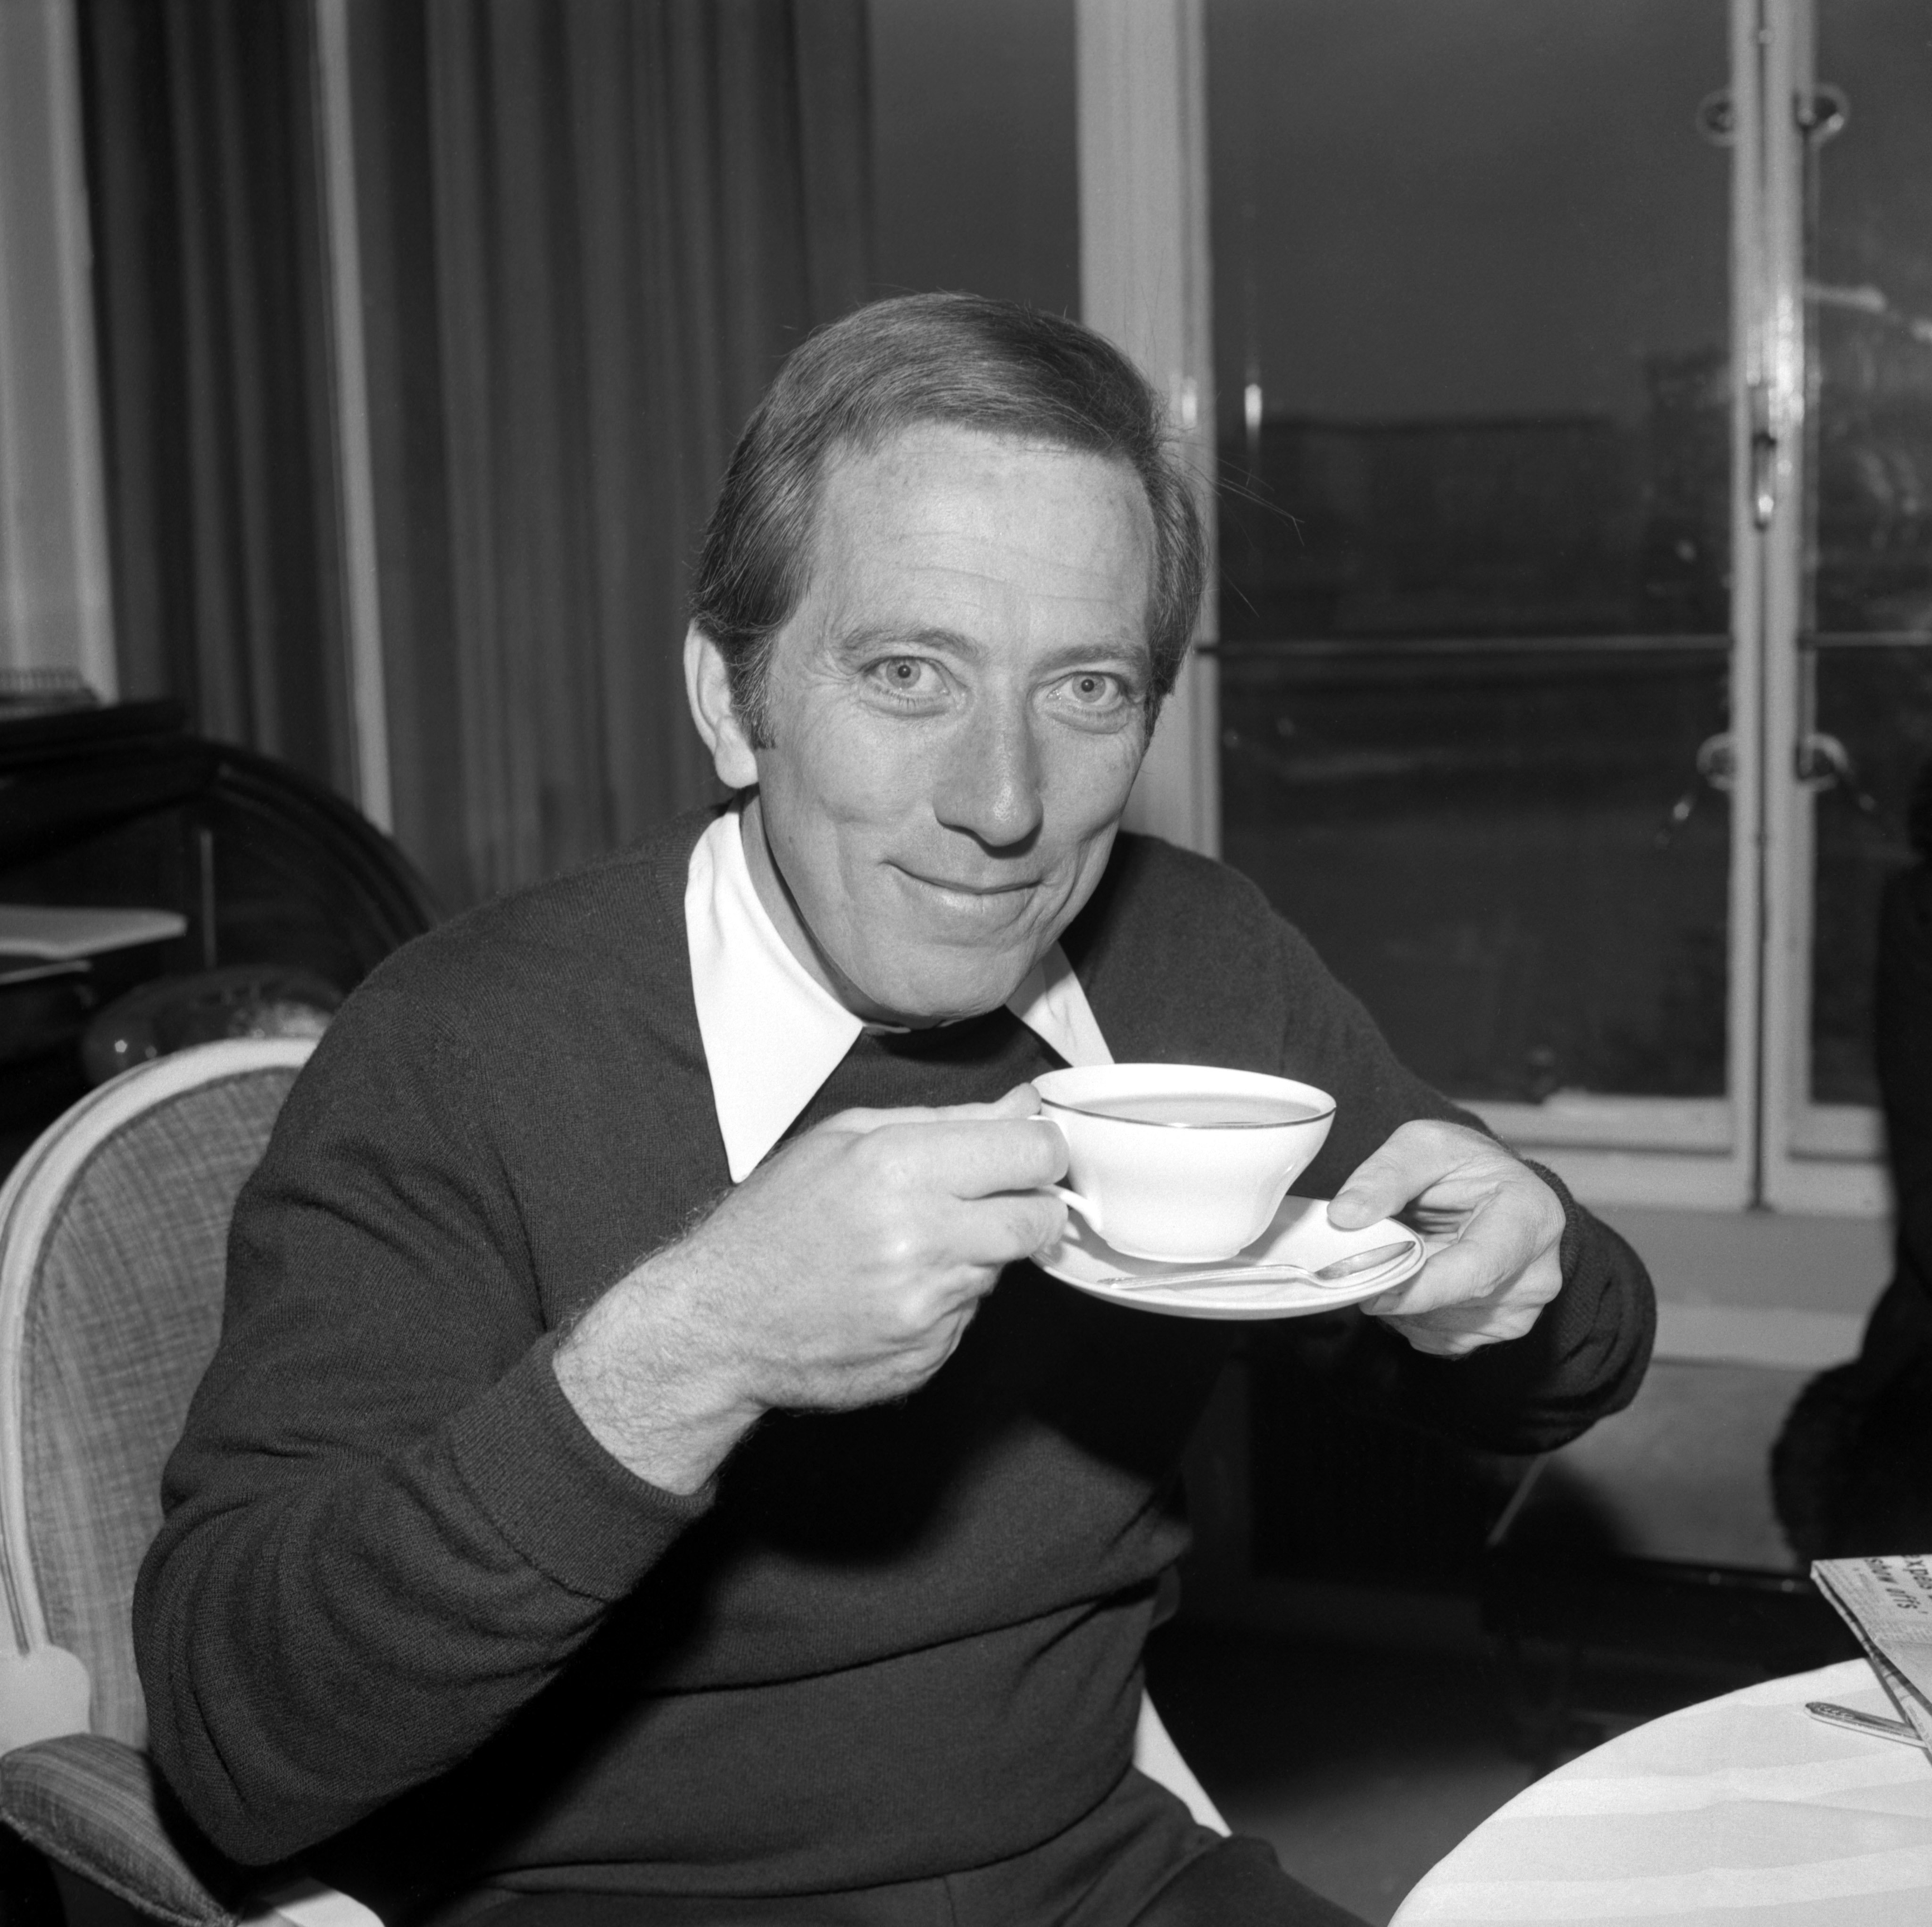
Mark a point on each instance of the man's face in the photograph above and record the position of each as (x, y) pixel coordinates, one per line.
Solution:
(957, 714)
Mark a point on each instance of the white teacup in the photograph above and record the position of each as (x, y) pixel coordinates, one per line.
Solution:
(1186, 1163)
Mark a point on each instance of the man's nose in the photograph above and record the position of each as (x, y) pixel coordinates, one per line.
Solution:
(991, 785)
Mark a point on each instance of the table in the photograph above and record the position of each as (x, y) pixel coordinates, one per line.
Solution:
(1743, 1809)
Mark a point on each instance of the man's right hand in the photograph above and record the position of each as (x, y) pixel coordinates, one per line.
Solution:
(841, 1273)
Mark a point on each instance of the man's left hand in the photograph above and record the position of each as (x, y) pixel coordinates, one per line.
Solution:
(1493, 1227)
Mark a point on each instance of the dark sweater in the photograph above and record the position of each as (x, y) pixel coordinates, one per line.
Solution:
(399, 1584)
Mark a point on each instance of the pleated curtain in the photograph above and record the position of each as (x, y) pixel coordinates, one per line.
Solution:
(589, 231)
(211, 312)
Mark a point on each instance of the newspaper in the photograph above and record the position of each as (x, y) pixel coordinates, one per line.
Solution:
(1887, 1602)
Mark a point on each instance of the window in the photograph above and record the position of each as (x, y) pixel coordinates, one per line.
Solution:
(1575, 453)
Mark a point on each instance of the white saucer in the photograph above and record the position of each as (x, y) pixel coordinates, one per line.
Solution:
(1301, 1235)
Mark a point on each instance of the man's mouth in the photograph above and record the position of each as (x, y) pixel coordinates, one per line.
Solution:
(978, 890)
(965, 889)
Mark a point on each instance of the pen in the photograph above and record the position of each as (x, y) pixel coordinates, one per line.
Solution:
(1867, 1723)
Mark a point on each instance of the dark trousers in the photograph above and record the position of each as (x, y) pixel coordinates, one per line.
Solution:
(1137, 1860)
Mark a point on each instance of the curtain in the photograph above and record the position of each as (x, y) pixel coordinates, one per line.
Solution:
(210, 302)
(590, 230)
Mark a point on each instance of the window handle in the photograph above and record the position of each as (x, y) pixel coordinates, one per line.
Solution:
(1717, 762)
(1821, 115)
(1717, 759)
(1763, 457)
(1823, 762)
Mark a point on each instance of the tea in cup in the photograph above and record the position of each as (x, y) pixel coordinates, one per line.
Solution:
(1184, 1163)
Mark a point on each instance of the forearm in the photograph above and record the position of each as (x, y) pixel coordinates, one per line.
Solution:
(645, 1375)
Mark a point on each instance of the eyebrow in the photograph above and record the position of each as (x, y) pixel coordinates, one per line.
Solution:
(862, 642)
(873, 635)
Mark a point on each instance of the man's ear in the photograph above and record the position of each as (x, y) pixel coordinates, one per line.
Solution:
(707, 683)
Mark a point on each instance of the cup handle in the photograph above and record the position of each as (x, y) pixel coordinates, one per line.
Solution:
(1087, 1208)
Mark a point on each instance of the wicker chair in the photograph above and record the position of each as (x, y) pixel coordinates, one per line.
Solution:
(113, 1233)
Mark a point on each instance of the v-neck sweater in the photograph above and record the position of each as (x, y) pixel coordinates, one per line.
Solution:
(404, 1605)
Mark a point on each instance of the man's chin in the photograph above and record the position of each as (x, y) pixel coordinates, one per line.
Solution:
(920, 998)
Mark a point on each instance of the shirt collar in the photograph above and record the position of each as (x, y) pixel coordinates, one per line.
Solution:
(773, 1034)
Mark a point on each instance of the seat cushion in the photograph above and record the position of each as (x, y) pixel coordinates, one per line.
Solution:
(97, 1808)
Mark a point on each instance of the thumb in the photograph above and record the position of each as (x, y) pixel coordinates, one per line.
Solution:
(1417, 1156)
(1354, 1207)
(1379, 1187)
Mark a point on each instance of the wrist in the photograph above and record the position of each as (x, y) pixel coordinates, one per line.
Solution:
(648, 1389)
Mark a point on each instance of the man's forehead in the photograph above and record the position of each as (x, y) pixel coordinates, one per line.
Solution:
(944, 446)
(932, 480)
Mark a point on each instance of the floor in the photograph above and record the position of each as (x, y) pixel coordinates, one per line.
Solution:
(1362, 1766)
(1683, 1476)
(1365, 1762)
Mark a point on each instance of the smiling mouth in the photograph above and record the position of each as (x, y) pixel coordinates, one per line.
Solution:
(947, 886)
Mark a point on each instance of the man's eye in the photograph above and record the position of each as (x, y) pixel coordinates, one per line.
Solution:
(1090, 690)
(910, 678)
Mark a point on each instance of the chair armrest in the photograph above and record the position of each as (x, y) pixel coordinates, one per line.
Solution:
(93, 1805)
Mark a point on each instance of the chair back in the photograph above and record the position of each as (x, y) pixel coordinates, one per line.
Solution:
(113, 1243)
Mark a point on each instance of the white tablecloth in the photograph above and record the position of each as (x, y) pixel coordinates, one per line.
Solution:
(1742, 1809)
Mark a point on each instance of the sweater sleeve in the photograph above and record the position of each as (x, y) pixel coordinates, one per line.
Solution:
(385, 1529)
(1587, 1351)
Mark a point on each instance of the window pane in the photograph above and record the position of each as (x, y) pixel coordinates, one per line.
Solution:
(1472, 317)
(1480, 844)
(1473, 257)
(1871, 311)
(1870, 560)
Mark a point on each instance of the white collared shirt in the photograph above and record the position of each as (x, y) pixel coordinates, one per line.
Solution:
(773, 1034)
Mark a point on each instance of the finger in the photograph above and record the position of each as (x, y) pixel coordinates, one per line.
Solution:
(1416, 1156)
(1453, 1326)
(1512, 1238)
(1462, 1330)
(964, 1243)
(1022, 1101)
(1515, 1307)
(1469, 1272)
(1439, 1343)
(950, 1333)
(974, 1158)
(1002, 1229)
(1458, 1278)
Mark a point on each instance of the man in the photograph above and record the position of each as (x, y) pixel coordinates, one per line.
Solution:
(622, 1494)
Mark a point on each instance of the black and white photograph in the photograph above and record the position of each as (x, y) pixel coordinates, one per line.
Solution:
(965, 962)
